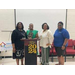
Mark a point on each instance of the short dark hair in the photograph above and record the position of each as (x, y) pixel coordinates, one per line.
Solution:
(21, 24)
(44, 24)
(60, 22)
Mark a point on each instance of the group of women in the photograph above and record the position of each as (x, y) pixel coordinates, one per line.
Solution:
(59, 40)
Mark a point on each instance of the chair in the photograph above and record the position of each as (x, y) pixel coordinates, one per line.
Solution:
(70, 50)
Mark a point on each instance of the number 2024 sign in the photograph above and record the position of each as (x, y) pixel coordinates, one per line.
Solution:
(32, 47)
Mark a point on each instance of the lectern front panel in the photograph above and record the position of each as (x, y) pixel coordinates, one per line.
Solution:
(31, 52)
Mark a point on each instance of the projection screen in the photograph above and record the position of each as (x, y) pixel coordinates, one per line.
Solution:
(39, 16)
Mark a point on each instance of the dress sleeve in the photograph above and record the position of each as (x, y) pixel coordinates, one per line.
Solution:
(13, 36)
(50, 37)
(36, 31)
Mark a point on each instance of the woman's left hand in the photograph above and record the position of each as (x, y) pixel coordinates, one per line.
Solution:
(35, 38)
(48, 44)
(63, 47)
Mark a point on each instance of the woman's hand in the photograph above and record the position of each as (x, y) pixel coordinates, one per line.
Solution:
(40, 37)
(14, 50)
(63, 47)
(35, 38)
(48, 44)
(13, 45)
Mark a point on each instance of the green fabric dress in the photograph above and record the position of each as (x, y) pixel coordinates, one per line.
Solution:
(34, 33)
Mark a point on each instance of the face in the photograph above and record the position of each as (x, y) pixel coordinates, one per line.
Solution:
(20, 26)
(45, 27)
(31, 26)
(60, 26)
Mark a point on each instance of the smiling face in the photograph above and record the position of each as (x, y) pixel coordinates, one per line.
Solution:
(60, 26)
(45, 27)
(31, 26)
(19, 26)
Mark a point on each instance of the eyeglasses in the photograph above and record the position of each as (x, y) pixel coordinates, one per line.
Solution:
(59, 25)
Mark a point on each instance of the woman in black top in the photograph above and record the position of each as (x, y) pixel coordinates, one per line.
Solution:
(18, 45)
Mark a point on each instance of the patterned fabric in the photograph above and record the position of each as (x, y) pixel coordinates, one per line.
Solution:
(19, 54)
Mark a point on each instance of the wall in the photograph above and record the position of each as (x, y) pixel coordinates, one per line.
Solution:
(39, 16)
(71, 22)
(6, 24)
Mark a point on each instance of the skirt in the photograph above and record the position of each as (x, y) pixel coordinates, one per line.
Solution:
(19, 54)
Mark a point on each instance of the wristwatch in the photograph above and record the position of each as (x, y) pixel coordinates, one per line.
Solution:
(64, 45)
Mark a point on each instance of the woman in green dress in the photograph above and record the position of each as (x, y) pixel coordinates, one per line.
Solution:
(31, 33)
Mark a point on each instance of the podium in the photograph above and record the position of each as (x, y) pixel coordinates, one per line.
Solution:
(30, 51)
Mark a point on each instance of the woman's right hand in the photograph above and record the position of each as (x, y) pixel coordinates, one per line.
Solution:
(40, 37)
(14, 50)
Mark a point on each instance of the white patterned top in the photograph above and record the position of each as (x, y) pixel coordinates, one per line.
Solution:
(45, 38)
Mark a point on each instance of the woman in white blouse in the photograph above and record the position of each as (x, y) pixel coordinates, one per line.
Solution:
(46, 40)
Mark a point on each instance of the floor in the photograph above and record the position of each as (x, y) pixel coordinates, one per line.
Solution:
(10, 61)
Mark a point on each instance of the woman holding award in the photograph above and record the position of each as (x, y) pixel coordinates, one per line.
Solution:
(31, 33)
